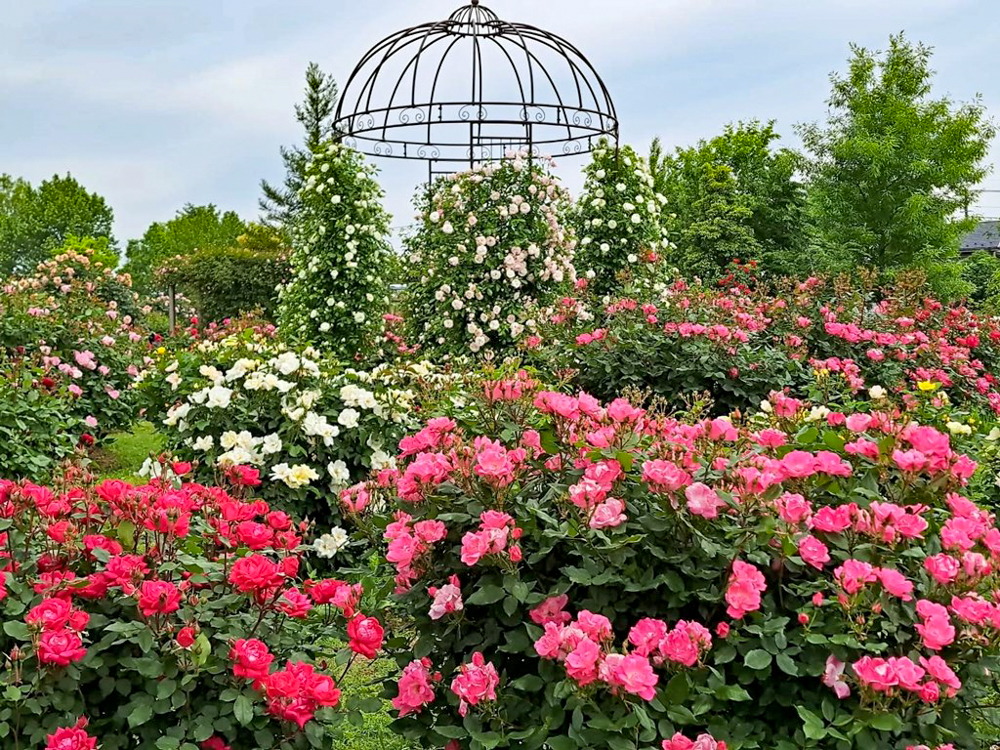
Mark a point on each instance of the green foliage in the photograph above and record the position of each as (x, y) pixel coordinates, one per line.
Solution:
(981, 271)
(734, 189)
(718, 231)
(617, 219)
(340, 255)
(225, 282)
(38, 427)
(193, 228)
(280, 204)
(36, 221)
(489, 250)
(892, 166)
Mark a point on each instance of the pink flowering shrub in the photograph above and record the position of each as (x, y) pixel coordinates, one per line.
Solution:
(71, 346)
(816, 337)
(596, 575)
(162, 616)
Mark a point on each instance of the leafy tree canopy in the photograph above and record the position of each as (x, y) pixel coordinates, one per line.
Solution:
(193, 228)
(35, 221)
(737, 186)
(892, 165)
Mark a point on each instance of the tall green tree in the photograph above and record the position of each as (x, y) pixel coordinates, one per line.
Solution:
(892, 166)
(193, 228)
(36, 221)
(280, 203)
(760, 181)
(718, 229)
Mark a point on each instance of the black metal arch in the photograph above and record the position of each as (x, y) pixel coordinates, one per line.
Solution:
(400, 103)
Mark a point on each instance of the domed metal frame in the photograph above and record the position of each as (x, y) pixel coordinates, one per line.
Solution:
(415, 124)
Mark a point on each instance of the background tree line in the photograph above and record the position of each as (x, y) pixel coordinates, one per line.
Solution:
(880, 183)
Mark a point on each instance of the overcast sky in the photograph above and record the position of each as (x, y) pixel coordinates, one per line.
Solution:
(157, 103)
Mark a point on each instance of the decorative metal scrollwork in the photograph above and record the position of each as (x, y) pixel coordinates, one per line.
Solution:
(404, 100)
(412, 114)
(428, 153)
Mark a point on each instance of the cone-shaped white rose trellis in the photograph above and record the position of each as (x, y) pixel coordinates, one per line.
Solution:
(490, 247)
(340, 255)
(618, 220)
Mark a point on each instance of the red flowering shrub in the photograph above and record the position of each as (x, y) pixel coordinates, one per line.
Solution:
(164, 617)
(600, 576)
(739, 344)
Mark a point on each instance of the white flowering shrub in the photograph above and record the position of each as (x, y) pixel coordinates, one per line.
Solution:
(490, 247)
(296, 421)
(340, 255)
(618, 221)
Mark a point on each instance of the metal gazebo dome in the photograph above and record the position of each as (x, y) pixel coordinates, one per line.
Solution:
(471, 89)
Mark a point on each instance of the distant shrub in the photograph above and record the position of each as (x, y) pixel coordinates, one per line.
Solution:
(225, 282)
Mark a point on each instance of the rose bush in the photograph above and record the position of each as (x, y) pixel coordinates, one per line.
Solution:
(618, 221)
(490, 247)
(70, 346)
(306, 425)
(737, 344)
(340, 255)
(588, 575)
(167, 617)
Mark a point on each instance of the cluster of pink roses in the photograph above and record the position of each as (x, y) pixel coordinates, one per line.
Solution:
(446, 599)
(71, 738)
(475, 683)
(583, 647)
(886, 675)
(67, 538)
(802, 502)
(497, 535)
(409, 542)
(591, 494)
(59, 642)
(746, 584)
(934, 343)
(701, 742)
(415, 687)
(511, 389)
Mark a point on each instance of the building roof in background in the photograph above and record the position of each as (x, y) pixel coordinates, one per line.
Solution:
(986, 236)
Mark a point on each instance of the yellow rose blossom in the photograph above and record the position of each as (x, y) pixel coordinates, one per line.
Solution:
(161, 350)
(928, 385)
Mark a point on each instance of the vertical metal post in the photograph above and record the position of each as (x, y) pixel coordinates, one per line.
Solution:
(173, 310)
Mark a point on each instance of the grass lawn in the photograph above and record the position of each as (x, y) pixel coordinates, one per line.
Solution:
(122, 457)
(374, 733)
